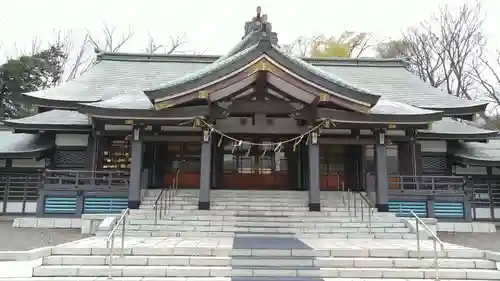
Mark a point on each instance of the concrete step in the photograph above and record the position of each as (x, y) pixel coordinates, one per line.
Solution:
(131, 271)
(267, 202)
(149, 216)
(246, 278)
(253, 208)
(259, 200)
(270, 223)
(138, 260)
(320, 262)
(256, 212)
(341, 252)
(226, 271)
(263, 228)
(333, 262)
(198, 234)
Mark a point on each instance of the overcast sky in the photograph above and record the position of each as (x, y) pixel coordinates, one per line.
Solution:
(214, 26)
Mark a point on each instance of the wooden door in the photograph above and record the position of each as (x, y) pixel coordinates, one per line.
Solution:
(254, 168)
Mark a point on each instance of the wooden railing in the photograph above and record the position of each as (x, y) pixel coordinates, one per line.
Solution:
(485, 197)
(427, 183)
(79, 178)
(19, 187)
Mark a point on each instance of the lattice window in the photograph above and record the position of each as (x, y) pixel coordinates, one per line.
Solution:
(434, 163)
(69, 159)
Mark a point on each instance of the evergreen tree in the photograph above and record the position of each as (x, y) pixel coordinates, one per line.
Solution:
(27, 74)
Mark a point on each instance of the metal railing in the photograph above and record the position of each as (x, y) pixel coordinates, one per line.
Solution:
(435, 239)
(110, 241)
(166, 197)
(370, 211)
(352, 205)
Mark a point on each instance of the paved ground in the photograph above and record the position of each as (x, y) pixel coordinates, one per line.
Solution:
(17, 239)
(483, 241)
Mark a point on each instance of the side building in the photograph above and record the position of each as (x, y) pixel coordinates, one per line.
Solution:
(255, 118)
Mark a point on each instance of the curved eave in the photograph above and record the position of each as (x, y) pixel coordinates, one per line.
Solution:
(476, 162)
(50, 103)
(23, 127)
(242, 60)
(472, 137)
(53, 120)
(451, 129)
(36, 153)
(341, 116)
(24, 145)
(180, 113)
(461, 111)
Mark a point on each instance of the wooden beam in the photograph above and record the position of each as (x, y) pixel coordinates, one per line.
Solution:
(237, 87)
(261, 106)
(290, 89)
(203, 93)
(326, 97)
(260, 85)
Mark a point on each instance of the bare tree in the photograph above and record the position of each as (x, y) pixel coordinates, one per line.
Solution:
(108, 41)
(176, 42)
(442, 49)
(82, 57)
(447, 52)
(485, 71)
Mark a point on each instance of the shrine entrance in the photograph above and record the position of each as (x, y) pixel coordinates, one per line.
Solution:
(261, 167)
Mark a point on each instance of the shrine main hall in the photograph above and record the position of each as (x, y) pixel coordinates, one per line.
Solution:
(255, 118)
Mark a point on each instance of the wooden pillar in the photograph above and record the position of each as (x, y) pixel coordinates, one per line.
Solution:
(382, 180)
(409, 156)
(91, 152)
(134, 189)
(314, 190)
(205, 171)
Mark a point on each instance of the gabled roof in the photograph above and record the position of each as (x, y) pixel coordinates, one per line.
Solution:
(262, 51)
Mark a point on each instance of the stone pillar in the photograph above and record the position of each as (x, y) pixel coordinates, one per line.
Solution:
(382, 179)
(134, 189)
(314, 191)
(205, 172)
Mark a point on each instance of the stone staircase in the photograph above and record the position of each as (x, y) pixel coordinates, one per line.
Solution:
(264, 213)
(263, 236)
(273, 263)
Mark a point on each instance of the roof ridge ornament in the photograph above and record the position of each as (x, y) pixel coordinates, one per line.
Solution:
(260, 26)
